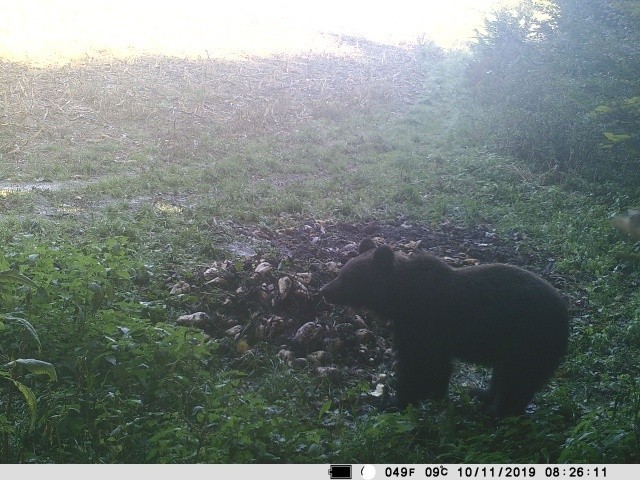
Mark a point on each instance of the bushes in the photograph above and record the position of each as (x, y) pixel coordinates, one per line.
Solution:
(12, 347)
(132, 387)
(556, 86)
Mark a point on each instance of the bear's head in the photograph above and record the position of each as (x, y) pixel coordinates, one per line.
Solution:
(364, 281)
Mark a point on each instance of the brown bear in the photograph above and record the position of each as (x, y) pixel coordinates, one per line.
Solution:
(495, 315)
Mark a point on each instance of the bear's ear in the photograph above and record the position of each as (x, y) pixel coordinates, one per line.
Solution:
(383, 257)
(366, 245)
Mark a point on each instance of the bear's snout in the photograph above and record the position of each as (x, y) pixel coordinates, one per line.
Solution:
(332, 293)
(327, 292)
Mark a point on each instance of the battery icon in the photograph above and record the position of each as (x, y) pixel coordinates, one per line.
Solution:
(339, 472)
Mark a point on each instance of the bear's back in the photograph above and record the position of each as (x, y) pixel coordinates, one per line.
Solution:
(481, 312)
(506, 306)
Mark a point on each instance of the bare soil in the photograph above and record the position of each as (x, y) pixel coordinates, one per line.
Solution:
(336, 342)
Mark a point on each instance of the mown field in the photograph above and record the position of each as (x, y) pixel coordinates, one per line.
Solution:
(137, 192)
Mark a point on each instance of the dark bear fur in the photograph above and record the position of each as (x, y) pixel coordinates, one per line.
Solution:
(495, 315)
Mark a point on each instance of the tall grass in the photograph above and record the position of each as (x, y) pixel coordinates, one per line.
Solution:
(160, 164)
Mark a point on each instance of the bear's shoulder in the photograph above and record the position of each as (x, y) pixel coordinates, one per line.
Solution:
(422, 261)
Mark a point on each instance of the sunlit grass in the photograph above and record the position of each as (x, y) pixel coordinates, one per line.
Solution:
(50, 31)
(162, 163)
(57, 31)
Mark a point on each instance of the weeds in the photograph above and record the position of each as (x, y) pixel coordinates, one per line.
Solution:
(163, 163)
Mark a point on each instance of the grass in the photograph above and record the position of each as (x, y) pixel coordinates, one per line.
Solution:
(159, 164)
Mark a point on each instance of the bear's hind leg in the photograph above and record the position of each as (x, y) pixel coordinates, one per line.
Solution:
(514, 392)
(513, 402)
(517, 384)
(506, 395)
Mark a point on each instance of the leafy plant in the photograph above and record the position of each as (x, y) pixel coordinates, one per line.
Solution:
(190, 181)
(552, 94)
(9, 370)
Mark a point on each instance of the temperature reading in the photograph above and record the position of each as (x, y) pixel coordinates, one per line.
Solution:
(399, 471)
(436, 471)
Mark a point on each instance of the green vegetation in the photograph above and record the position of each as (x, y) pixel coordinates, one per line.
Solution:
(558, 87)
(131, 195)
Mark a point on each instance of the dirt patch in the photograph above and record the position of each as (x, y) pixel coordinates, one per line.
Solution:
(271, 296)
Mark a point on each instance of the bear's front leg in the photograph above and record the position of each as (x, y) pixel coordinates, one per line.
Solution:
(419, 380)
